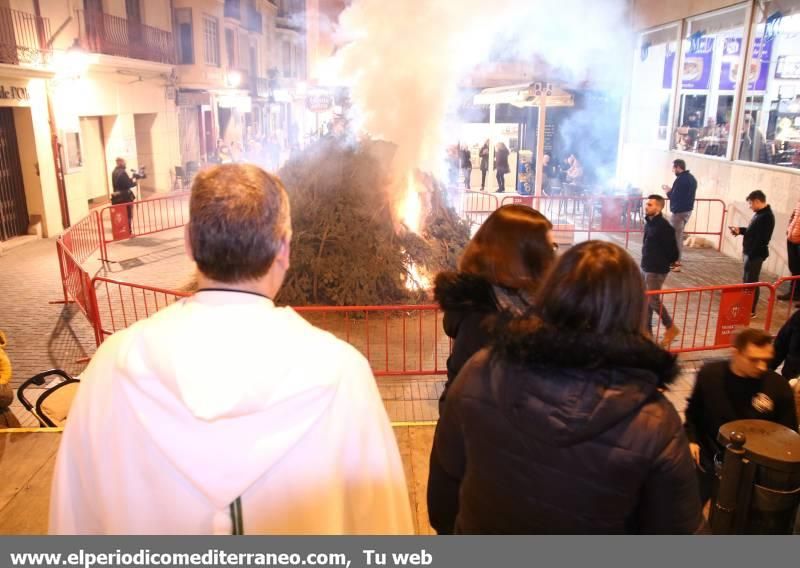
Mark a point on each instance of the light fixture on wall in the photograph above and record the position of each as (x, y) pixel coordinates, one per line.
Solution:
(233, 79)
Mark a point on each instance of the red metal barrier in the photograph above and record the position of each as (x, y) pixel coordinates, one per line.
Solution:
(77, 285)
(582, 218)
(708, 317)
(396, 340)
(73, 248)
(477, 206)
(149, 216)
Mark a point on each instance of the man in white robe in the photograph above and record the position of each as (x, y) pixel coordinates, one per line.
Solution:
(223, 402)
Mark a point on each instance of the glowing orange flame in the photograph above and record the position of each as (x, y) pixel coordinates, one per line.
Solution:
(411, 208)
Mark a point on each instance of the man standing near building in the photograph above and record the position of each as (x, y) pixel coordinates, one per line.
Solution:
(738, 389)
(123, 186)
(757, 234)
(681, 203)
(212, 417)
(659, 251)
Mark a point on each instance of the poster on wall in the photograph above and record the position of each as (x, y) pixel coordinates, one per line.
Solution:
(696, 65)
(757, 71)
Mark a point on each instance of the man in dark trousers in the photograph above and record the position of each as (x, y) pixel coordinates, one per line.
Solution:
(659, 251)
(681, 203)
(738, 389)
(123, 189)
(793, 254)
(757, 235)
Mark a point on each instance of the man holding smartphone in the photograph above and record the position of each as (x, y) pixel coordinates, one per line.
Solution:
(757, 234)
(681, 203)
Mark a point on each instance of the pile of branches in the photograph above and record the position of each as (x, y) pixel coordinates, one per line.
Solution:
(348, 247)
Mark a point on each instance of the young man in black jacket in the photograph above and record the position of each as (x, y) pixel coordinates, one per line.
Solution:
(739, 389)
(681, 202)
(659, 252)
(757, 235)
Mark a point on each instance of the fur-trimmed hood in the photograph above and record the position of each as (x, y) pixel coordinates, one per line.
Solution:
(569, 386)
(455, 291)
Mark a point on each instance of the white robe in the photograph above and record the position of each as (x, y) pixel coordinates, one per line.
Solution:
(223, 395)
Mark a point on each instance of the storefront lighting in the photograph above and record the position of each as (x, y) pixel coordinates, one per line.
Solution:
(73, 63)
(233, 79)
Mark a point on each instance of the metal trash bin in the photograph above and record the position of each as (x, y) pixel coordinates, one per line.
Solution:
(758, 485)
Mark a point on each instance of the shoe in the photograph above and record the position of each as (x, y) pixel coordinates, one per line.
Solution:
(753, 315)
(787, 297)
(675, 268)
(669, 336)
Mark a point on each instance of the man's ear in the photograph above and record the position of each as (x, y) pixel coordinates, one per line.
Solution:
(187, 241)
(284, 252)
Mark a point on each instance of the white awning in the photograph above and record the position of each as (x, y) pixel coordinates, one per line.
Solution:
(525, 95)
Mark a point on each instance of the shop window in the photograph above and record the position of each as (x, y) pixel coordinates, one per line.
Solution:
(184, 35)
(769, 131)
(71, 146)
(211, 39)
(652, 86)
(709, 82)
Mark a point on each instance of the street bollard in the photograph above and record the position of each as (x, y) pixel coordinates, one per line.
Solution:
(723, 510)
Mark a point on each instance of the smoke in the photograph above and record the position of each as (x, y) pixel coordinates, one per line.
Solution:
(404, 60)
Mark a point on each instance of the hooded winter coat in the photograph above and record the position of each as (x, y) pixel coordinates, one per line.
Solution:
(216, 398)
(554, 431)
(471, 312)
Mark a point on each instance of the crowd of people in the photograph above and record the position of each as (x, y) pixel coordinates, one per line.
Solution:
(553, 419)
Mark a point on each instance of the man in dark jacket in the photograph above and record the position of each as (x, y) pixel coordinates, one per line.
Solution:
(123, 186)
(659, 251)
(681, 202)
(787, 348)
(757, 235)
(742, 388)
(501, 166)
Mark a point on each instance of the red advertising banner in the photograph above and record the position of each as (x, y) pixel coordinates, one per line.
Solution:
(735, 307)
(120, 229)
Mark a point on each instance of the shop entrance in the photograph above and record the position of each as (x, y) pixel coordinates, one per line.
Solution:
(13, 209)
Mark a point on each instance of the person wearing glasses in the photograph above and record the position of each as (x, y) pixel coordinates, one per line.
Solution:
(738, 389)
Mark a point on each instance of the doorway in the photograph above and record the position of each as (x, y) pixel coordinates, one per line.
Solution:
(13, 207)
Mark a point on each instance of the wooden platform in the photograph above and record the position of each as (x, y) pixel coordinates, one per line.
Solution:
(27, 459)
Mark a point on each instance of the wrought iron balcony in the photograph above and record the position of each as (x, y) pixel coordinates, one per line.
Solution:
(112, 35)
(22, 37)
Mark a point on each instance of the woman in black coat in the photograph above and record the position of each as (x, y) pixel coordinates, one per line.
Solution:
(560, 426)
(498, 273)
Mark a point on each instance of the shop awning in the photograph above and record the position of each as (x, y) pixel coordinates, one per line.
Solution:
(524, 95)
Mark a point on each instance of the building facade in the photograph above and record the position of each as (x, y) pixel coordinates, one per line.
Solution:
(97, 83)
(689, 99)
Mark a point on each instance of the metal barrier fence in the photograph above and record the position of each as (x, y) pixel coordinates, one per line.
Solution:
(147, 217)
(708, 317)
(577, 218)
(396, 340)
(782, 312)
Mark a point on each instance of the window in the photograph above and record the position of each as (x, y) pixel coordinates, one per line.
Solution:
(211, 37)
(287, 58)
(71, 146)
(769, 130)
(652, 86)
(230, 47)
(709, 83)
(184, 35)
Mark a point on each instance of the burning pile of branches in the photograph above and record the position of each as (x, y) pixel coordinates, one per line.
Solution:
(352, 243)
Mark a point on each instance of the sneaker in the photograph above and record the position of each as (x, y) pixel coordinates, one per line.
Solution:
(675, 267)
(787, 297)
(670, 335)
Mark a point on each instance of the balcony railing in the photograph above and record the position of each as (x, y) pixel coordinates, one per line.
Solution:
(112, 35)
(21, 37)
(260, 86)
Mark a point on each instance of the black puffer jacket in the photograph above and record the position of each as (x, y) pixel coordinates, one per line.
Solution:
(470, 313)
(562, 432)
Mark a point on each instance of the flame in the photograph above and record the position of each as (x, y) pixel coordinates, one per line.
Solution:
(415, 280)
(411, 209)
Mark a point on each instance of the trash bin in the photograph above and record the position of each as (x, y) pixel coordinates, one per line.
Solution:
(758, 485)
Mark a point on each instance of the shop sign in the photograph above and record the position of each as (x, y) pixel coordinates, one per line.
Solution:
(14, 93)
(735, 307)
(319, 101)
(238, 102)
(696, 65)
(758, 69)
(191, 98)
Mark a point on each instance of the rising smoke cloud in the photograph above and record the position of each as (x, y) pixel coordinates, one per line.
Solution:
(404, 59)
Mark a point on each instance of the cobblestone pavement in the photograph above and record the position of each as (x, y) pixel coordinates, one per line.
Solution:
(44, 335)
